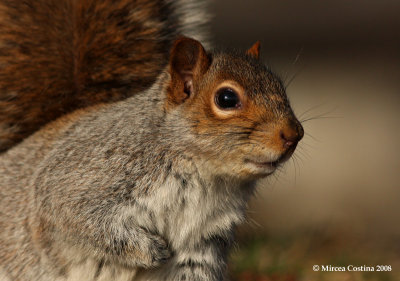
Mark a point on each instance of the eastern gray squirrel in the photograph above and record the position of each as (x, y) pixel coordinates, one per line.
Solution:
(150, 187)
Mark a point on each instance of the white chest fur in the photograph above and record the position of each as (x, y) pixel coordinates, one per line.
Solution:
(189, 209)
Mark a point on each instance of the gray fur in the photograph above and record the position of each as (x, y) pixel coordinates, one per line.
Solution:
(193, 15)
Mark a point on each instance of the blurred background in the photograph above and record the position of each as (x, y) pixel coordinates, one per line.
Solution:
(337, 202)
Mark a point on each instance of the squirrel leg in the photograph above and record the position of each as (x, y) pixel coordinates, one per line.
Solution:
(206, 261)
(141, 249)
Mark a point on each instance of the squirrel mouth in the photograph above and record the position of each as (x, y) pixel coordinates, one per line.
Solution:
(264, 165)
(258, 165)
(273, 164)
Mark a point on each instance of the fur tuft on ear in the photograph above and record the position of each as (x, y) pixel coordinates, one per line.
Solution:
(188, 61)
(254, 50)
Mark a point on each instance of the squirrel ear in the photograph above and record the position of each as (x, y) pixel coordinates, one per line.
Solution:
(254, 51)
(188, 60)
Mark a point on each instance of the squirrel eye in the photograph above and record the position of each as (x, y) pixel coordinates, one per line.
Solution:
(226, 98)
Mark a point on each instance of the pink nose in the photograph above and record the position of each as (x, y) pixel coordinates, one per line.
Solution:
(291, 135)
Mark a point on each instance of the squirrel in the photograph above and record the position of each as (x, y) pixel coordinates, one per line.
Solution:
(150, 187)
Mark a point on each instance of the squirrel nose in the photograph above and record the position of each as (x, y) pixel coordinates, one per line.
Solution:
(291, 135)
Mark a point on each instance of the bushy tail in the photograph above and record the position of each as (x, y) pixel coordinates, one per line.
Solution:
(60, 55)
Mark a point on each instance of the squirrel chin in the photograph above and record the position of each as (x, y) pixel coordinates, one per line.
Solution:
(260, 169)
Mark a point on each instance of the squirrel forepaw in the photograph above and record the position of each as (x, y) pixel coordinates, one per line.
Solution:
(159, 251)
(155, 251)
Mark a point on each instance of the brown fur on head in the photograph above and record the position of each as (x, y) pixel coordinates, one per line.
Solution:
(238, 109)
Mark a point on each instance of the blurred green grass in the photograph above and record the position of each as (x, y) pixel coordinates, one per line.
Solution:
(290, 257)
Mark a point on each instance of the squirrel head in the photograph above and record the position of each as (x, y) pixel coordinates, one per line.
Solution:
(236, 110)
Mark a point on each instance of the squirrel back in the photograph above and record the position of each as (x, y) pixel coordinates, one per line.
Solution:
(58, 56)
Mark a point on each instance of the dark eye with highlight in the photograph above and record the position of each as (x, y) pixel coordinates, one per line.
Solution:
(227, 98)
